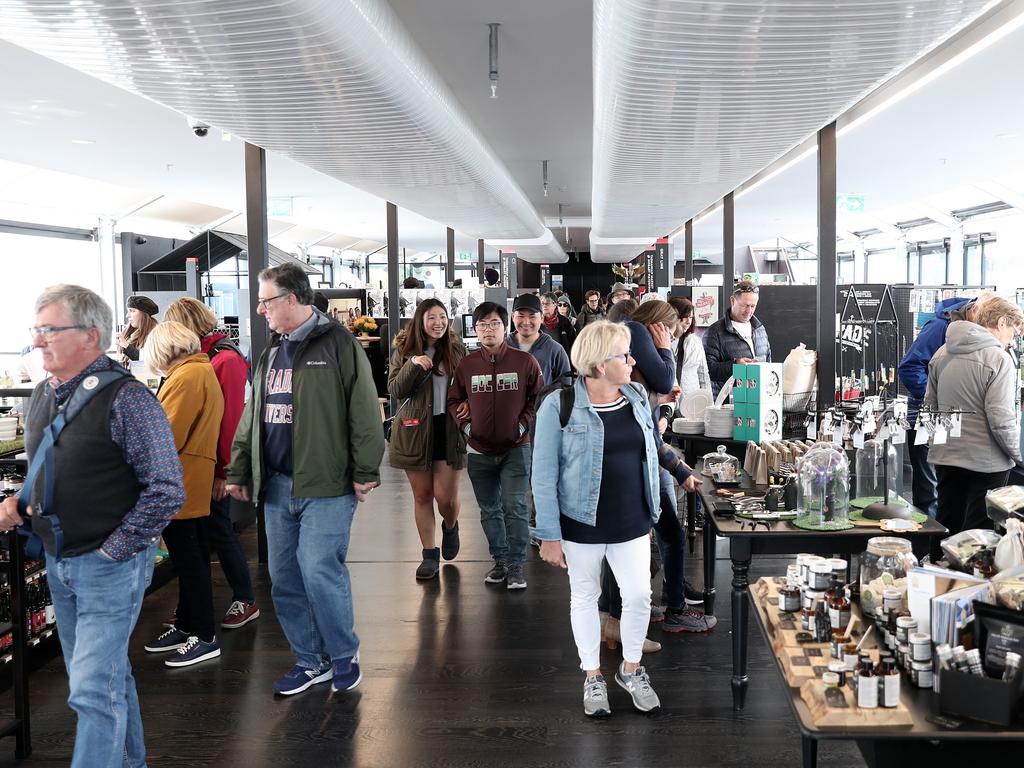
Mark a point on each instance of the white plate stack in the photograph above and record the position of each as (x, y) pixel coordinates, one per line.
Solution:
(8, 428)
(688, 426)
(718, 421)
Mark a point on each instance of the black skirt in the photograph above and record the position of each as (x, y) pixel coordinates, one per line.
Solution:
(440, 438)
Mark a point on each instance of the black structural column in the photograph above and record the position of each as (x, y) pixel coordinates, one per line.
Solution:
(449, 271)
(256, 244)
(481, 264)
(688, 251)
(826, 265)
(728, 251)
(394, 310)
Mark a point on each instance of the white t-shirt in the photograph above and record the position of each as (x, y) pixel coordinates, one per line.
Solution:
(746, 333)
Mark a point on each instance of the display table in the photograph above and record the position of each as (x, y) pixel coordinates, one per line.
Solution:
(781, 538)
(902, 743)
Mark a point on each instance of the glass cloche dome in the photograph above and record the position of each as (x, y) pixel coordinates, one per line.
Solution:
(823, 489)
(871, 469)
(721, 466)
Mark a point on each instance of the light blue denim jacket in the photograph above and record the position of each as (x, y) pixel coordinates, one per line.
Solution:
(567, 463)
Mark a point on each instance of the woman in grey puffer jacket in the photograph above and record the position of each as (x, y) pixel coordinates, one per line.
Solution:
(973, 371)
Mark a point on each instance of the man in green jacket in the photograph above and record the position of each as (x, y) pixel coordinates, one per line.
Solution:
(309, 446)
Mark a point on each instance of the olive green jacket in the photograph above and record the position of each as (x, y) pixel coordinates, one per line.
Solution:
(337, 437)
(412, 434)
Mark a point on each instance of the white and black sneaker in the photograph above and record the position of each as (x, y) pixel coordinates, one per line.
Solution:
(171, 640)
(497, 574)
(515, 579)
(193, 652)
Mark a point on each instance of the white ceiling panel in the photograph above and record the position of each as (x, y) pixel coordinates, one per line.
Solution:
(692, 98)
(340, 87)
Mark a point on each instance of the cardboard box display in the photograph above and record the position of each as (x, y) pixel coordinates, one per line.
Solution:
(739, 382)
(764, 382)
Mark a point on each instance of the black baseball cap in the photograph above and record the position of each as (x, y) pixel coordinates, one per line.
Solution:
(527, 302)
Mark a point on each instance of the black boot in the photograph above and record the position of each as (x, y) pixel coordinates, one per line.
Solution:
(431, 564)
(450, 541)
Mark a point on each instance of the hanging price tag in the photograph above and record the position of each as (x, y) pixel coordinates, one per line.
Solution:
(920, 435)
(955, 423)
(839, 432)
(883, 432)
(897, 435)
(812, 428)
(939, 436)
(858, 439)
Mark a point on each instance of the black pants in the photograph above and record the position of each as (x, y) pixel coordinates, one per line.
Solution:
(187, 546)
(962, 497)
(922, 477)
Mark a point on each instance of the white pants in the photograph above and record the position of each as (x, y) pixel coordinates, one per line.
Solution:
(630, 561)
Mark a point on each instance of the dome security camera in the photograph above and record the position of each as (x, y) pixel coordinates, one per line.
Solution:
(198, 127)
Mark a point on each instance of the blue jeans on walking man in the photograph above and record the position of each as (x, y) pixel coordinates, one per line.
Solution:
(97, 601)
(500, 483)
(307, 543)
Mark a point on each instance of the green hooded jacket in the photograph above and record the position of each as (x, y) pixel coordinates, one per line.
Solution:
(337, 437)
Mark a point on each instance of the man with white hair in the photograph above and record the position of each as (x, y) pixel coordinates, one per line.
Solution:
(117, 483)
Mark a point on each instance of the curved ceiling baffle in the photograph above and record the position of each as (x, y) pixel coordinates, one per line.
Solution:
(337, 85)
(693, 98)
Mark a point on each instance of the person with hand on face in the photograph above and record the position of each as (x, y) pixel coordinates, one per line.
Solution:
(117, 483)
(554, 324)
(492, 398)
(591, 311)
(313, 408)
(691, 362)
(972, 371)
(425, 440)
(232, 371)
(549, 354)
(739, 337)
(596, 489)
(141, 314)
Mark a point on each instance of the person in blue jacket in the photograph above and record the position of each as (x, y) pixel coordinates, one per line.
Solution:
(913, 373)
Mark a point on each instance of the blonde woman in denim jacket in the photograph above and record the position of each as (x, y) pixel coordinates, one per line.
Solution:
(596, 489)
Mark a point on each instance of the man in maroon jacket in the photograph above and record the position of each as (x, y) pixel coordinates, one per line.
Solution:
(493, 399)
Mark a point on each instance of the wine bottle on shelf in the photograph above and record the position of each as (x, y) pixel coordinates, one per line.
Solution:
(48, 611)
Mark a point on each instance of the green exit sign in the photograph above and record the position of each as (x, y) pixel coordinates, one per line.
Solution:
(464, 256)
(850, 203)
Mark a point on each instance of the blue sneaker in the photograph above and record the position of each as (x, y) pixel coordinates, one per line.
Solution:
(347, 674)
(194, 651)
(299, 678)
(171, 640)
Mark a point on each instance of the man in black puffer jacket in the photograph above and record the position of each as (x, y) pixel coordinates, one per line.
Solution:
(739, 337)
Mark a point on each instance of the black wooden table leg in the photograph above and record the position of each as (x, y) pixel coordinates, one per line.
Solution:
(691, 498)
(810, 750)
(710, 541)
(740, 554)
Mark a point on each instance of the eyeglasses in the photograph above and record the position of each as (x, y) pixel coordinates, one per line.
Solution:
(493, 325)
(626, 357)
(265, 302)
(49, 332)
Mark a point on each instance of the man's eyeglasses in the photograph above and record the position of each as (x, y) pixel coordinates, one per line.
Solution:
(493, 325)
(49, 332)
(626, 357)
(265, 302)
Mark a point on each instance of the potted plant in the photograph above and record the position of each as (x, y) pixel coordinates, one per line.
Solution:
(365, 325)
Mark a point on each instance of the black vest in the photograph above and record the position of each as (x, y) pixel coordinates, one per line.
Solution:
(95, 487)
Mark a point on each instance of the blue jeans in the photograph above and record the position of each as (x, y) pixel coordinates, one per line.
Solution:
(221, 538)
(307, 542)
(925, 484)
(97, 601)
(500, 484)
(671, 542)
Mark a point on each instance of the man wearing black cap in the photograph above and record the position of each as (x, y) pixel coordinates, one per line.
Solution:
(528, 337)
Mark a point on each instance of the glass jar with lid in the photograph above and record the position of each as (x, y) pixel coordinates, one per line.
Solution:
(721, 466)
(884, 565)
(823, 489)
(871, 471)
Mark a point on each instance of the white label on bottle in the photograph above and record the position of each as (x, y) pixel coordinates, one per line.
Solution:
(892, 690)
(867, 692)
(833, 616)
(51, 615)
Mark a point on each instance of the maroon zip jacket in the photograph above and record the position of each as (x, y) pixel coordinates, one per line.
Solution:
(502, 391)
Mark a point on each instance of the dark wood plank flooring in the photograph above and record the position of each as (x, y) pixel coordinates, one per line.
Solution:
(456, 673)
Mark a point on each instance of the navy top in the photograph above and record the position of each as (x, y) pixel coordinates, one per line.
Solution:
(622, 513)
(277, 410)
(657, 366)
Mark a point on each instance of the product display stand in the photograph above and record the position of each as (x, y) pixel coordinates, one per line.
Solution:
(19, 725)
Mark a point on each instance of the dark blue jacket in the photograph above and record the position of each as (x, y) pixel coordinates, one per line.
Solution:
(656, 366)
(550, 356)
(913, 370)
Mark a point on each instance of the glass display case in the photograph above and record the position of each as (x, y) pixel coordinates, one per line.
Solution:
(872, 472)
(884, 565)
(722, 467)
(823, 489)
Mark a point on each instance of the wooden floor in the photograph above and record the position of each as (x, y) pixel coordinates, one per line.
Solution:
(456, 673)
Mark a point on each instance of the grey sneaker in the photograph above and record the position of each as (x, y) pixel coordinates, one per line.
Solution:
(689, 619)
(595, 697)
(516, 579)
(638, 684)
(497, 574)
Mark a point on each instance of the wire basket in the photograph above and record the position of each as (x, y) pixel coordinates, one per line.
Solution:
(794, 402)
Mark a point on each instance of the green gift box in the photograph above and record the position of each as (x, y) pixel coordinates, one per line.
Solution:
(739, 382)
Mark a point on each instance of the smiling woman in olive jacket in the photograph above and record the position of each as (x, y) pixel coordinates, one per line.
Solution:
(425, 441)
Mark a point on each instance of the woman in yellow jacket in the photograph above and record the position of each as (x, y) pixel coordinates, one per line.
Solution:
(192, 398)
